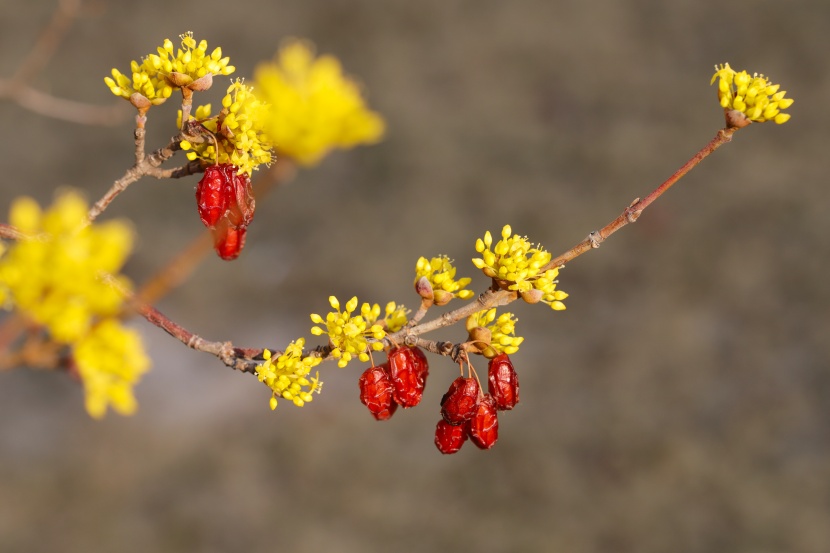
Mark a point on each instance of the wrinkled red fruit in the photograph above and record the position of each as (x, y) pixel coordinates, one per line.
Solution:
(226, 205)
(376, 392)
(449, 438)
(408, 369)
(484, 426)
(459, 403)
(228, 241)
(503, 382)
(224, 193)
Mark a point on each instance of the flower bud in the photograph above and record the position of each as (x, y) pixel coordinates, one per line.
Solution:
(202, 83)
(532, 296)
(442, 297)
(481, 336)
(178, 80)
(140, 101)
(424, 288)
(736, 119)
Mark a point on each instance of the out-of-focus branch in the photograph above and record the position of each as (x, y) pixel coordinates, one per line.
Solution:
(47, 43)
(17, 89)
(60, 108)
(179, 269)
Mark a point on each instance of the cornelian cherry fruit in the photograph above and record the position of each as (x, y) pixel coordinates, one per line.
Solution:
(484, 426)
(223, 192)
(228, 241)
(225, 201)
(459, 403)
(376, 392)
(503, 382)
(449, 438)
(408, 369)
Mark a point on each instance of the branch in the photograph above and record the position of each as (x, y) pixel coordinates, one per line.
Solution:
(144, 165)
(633, 211)
(236, 358)
(48, 41)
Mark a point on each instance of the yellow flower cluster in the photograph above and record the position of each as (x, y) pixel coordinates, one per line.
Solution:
(110, 362)
(516, 261)
(503, 337)
(440, 273)
(315, 107)
(348, 335)
(288, 375)
(158, 74)
(238, 130)
(56, 279)
(754, 96)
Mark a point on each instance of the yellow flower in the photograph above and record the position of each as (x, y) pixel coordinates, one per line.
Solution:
(315, 107)
(440, 273)
(753, 96)
(516, 261)
(158, 74)
(349, 336)
(395, 317)
(503, 337)
(238, 130)
(288, 376)
(110, 360)
(144, 81)
(54, 277)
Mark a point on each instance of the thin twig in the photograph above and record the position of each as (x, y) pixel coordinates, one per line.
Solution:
(11, 233)
(633, 211)
(144, 165)
(494, 297)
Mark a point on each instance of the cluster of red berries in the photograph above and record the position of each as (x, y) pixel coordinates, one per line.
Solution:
(225, 200)
(399, 381)
(466, 412)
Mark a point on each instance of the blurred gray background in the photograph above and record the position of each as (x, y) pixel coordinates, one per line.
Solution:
(679, 404)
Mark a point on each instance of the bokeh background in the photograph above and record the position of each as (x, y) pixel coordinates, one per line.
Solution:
(679, 404)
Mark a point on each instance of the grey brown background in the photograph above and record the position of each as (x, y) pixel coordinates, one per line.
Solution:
(679, 404)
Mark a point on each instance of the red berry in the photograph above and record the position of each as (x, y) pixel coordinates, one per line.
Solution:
(241, 205)
(223, 192)
(484, 426)
(408, 369)
(459, 403)
(503, 382)
(376, 392)
(211, 197)
(228, 241)
(449, 438)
